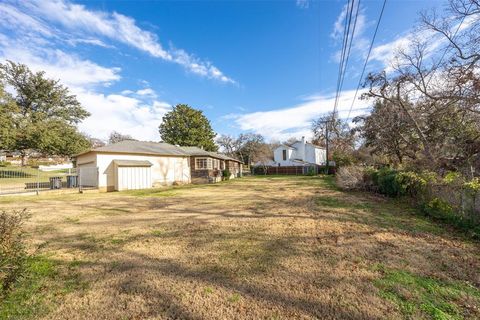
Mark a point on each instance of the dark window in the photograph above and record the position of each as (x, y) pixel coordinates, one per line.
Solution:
(284, 155)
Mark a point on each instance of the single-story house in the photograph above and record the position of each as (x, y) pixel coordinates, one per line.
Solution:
(208, 166)
(133, 165)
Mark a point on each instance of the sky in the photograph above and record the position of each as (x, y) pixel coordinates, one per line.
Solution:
(266, 67)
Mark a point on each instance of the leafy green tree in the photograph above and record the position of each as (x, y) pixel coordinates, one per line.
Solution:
(41, 115)
(8, 109)
(186, 126)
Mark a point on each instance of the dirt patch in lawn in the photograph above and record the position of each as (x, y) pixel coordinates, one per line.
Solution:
(253, 248)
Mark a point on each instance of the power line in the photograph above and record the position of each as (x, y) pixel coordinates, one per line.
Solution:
(368, 57)
(347, 56)
(346, 32)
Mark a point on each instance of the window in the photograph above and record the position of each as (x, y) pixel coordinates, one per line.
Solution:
(203, 164)
(200, 163)
(216, 164)
(284, 155)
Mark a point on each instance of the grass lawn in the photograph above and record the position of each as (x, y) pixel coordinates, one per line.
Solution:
(253, 248)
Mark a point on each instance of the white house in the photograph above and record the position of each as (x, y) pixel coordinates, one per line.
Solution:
(133, 165)
(299, 153)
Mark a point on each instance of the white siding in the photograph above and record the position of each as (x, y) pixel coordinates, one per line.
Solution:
(278, 156)
(165, 170)
(306, 152)
(132, 178)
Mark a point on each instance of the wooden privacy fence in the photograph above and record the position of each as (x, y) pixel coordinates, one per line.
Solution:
(291, 170)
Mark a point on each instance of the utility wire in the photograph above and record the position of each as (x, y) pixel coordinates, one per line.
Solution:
(346, 32)
(347, 55)
(368, 57)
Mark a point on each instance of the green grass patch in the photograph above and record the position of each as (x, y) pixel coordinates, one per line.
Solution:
(424, 297)
(73, 220)
(40, 287)
(208, 290)
(163, 192)
(338, 202)
(234, 298)
(157, 233)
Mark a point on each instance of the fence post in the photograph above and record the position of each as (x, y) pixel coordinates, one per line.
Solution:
(38, 181)
(79, 177)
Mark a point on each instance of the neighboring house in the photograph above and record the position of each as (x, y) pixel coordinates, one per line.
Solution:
(299, 153)
(133, 165)
(208, 166)
(3, 156)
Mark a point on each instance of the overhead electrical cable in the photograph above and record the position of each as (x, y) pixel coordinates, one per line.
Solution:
(367, 58)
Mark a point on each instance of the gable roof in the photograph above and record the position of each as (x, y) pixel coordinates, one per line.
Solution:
(196, 151)
(140, 147)
(309, 143)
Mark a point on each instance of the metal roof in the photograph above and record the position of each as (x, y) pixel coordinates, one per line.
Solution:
(141, 147)
(132, 163)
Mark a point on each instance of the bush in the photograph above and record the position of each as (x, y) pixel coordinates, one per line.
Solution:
(351, 178)
(226, 174)
(311, 171)
(34, 163)
(4, 163)
(13, 252)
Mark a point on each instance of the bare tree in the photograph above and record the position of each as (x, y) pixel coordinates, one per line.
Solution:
(433, 93)
(116, 137)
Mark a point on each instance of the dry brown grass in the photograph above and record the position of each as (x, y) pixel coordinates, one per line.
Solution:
(256, 248)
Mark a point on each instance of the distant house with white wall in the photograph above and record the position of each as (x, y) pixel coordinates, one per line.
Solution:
(299, 153)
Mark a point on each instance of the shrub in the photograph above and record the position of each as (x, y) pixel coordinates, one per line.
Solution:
(351, 178)
(411, 183)
(472, 186)
(34, 163)
(452, 177)
(438, 208)
(386, 180)
(4, 163)
(226, 174)
(311, 171)
(13, 253)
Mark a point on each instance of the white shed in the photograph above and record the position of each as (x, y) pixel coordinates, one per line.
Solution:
(135, 165)
(132, 174)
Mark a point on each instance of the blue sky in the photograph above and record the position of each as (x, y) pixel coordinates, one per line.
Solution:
(267, 67)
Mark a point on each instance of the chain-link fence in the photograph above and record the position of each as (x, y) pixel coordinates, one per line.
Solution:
(27, 179)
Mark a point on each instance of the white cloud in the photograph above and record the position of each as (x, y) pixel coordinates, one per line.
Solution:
(125, 114)
(78, 20)
(386, 53)
(33, 32)
(303, 4)
(295, 121)
(95, 42)
(72, 70)
(146, 92)
(360, 42)
(137, 113)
